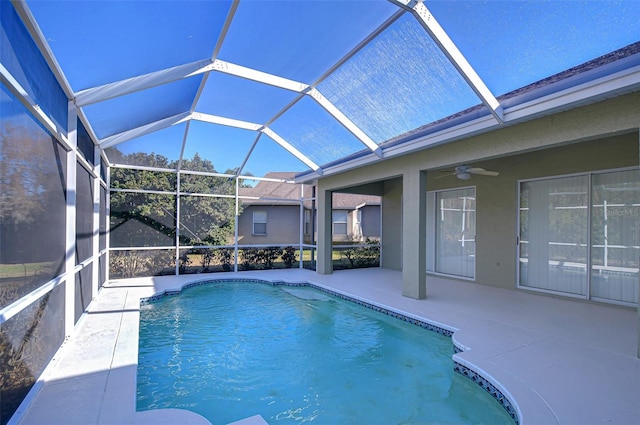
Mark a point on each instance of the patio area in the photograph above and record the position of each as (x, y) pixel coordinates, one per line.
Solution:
(560, 361)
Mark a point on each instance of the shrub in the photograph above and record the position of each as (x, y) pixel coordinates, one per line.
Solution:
(250, 258)
(224, 256)
(289, 256)
(129, 264)
(268, 256)
(184, 261)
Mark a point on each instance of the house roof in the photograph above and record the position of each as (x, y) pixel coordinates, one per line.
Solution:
(279, 190)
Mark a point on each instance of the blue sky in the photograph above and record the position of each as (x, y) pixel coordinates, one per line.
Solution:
(395, 84)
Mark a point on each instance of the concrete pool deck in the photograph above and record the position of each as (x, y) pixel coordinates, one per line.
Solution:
(561, 361)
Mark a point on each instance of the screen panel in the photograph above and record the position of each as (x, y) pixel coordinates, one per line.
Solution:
(300, 40)
(21, 57)
(124, 178)
(142, 219)
(216, 148)
(398, 82)
(150, 36)
(206, 220)
(83, 291)
(133, 110)
(315, 133)
(160, 148)
(124, 264)
(84, 214)
(33, 202)
(28, 342)
(85, 144)
(570, 32)
(238, 98)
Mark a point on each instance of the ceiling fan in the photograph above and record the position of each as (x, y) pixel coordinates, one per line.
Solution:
(463, 172)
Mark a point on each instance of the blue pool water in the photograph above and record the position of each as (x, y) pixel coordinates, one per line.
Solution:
(294, 355)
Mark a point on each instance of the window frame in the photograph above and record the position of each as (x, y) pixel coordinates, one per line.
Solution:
(254, 222)
(335, 222)
(307, 222)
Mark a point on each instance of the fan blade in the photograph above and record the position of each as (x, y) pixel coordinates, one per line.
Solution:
(482, 172)
(445, 175)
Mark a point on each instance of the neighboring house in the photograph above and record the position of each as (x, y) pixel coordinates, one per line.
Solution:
(271, 214)
(355, 217)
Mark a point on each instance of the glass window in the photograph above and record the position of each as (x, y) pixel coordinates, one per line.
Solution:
(339, 222)
(455, 232)
(553, 234)
(615, 236)
(32, 202)
(307, 222)
(260, 222)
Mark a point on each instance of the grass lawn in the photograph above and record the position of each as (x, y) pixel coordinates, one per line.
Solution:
(27, 269)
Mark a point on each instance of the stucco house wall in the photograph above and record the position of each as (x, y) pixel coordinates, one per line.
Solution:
(370, 221)
(369, 224)
(597, 136)
(497, 201)
(283, 225)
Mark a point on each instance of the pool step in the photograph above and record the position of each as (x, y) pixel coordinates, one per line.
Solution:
(253, 420)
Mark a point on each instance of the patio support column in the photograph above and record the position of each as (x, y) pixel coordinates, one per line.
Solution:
(414, 258)
(325, 235)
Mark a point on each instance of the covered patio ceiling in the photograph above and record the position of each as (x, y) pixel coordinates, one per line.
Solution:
(318, 87)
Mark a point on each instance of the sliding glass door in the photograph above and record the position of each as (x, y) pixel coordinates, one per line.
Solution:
(553, 234)
(615, 231)
(455, 232)
(579, 235)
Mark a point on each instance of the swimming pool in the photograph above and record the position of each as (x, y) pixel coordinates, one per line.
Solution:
(229, 350)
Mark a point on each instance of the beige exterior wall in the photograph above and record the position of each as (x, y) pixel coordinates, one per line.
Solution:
(599, 136)
(370, 221)
(391, 225)
(497, 202)
(283, 225)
